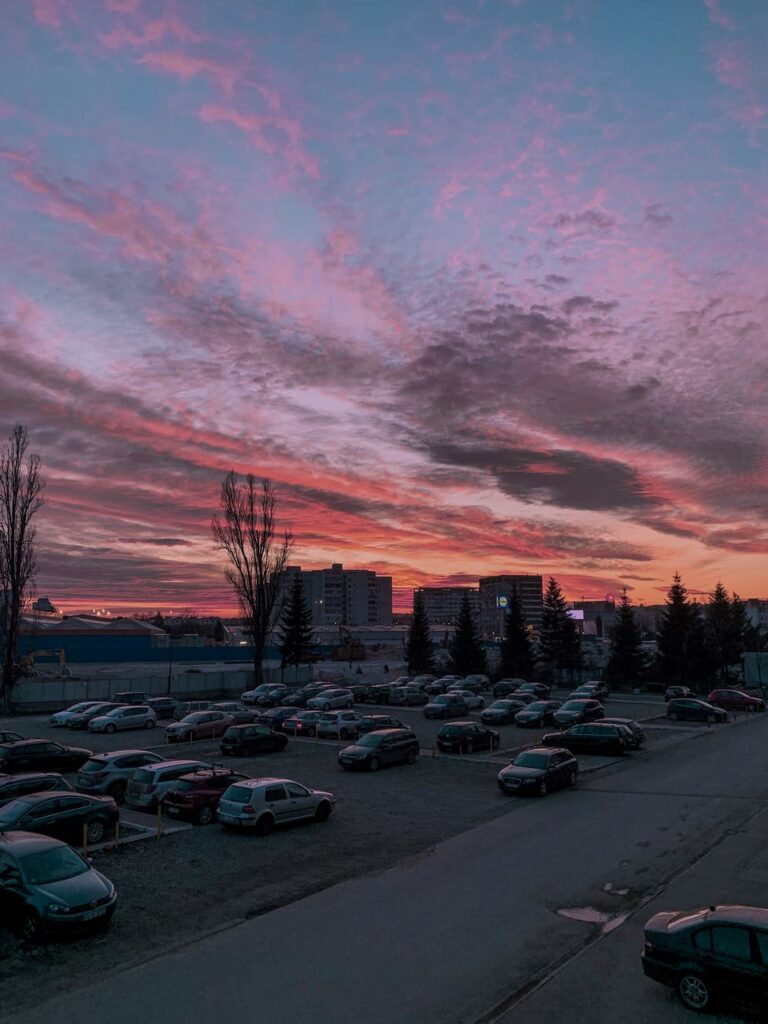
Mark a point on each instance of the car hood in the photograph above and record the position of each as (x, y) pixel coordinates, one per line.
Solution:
(514, 771)
(355, 750)
(85, 888)
(529, 714)
(566, 716)
(323, 793)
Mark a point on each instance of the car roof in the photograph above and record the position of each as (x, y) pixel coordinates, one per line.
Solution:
(618, 721)
(20, 843)
(35, 742)
(394, 731)
(108, 755)
(737, 914)
(29, 775)
(46, 794)
(172, 763)
(543, 750)
(255, 783)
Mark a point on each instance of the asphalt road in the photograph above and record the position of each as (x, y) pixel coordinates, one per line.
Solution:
(450, 935)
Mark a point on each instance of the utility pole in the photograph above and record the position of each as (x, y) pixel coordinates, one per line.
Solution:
(170, 663)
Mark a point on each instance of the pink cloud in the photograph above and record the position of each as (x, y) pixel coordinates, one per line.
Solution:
(150, 32)
(291, 148)
(717, 16)
(187, 67)
(48, 12)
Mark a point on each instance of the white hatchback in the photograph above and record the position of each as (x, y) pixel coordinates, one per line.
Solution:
(130, 717)
(261, 804)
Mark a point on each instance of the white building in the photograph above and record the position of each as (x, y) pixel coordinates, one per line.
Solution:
(339, 596)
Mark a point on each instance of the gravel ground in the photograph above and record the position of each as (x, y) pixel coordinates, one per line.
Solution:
(175, 889)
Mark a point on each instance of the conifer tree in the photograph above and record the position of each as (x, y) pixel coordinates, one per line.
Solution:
(559, 645)
(627, 662)
(674, 636)
(219, 632)
(467, 654)
(516, 652)
(296, 637)
(418, 649)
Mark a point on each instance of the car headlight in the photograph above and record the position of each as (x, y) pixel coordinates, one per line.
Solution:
(58, 908)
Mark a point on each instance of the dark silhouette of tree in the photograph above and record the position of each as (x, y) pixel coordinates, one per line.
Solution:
(674, 636)
(559, 644)
(245, 531)
(296, 635)
(418, 648)
(219, 632)
(726, 621)
(627, 662)
(465, 648)
(516, 651)
(21, 490)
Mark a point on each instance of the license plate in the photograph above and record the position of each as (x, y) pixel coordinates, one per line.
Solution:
(89, 915)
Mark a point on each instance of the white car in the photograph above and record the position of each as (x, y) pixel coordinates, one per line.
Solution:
(338, 724)
(130, 717)
(478, 681)
(260, 804)
(62, 717)
(329, 699)
(473, 701)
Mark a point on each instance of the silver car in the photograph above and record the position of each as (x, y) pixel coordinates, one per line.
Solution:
(261, 804)
(338, 725)
(80, 719)
(62, 717)
(241, 714)
(129, 717)
(473, 701)
(147, 786)
(329, 699)
(109, 773)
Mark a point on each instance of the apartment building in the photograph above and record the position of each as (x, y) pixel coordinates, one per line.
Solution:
(442, 604)
(494, 596)
(339, 596)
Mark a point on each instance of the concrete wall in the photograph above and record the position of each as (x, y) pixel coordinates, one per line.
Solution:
(91, 647)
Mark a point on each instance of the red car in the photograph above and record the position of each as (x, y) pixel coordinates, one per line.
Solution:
(735, 700)
(195, 797)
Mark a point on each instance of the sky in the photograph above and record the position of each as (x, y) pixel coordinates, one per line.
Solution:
(480, 285)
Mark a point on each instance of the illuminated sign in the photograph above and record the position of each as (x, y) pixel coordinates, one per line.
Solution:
(502, 601)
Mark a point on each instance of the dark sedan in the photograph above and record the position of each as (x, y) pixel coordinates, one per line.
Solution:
(591, 738)
(164, 707)
(678, 691)
(244, 740)
(304, 723)
(578, 710)
(41, 755)
(466, 738)
(376, 749)
(736, 700)
(538, 713)
(445, 705)
(505, 687)
(66, 816)
(10, 737)
(370, 722)
(502, 712)
(694, 710)
(539, 690)
(82, 718)
(298, 698)
(195, 797)
(635, 729)
(275, 718)
(378, 693)
(14, 786)
(538, 770)
(596, 691)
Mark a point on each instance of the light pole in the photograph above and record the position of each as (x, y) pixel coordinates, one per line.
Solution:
(170, 663)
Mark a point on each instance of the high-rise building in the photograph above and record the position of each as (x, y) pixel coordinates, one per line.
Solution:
(442, 603)
(495, 592)
(339, 596)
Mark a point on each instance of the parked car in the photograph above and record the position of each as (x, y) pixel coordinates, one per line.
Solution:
(275, 718)
(538, 770)
(302, 724)
(80, 719)
(164, 707)
(273, 696)
(200, 725)
(14, 786)
(298, 698)
(59, 718)
(129, 697)
(378, 693)
(578, 710)
(471, 686)
(256, 738)
(135, 716)
(693, 709)
(109, 773)
(591, 738)
(410, 695)
(195, 797)
(537, 713)
(477, 681)
(473, 700)
(718, 955)
(65, 816)
(262, 693)
(439, 685)
(445, 705)
(148, 785)
(368, 723)
(239, 712)
(678, 691)
(186, 707)
(596, 691)
(261, 804)
(48, 888)
(525, 696)
(41, 755)
(539, 690)
(339, 725)
(736, 700)
(329, 699)
(505, 687)
(377, 749)
(466, 738)
(10, 737)
(635, 729)
(502, 712)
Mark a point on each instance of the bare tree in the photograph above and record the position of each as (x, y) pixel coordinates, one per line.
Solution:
(245, 530)
(21, 488)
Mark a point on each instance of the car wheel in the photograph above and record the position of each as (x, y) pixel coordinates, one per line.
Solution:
(149, 724)
(469, 747)
(693, 991)
(109, 728)
(373, 764)
(674, 716)
(323, 811)
(751, 708)
(265, 825)
(542, 788)
(30, 927)
(204, 816)
(117, 792)
(412, 755)
(572, 778)
(95, 830)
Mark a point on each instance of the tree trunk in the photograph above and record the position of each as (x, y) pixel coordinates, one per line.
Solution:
(258, 658)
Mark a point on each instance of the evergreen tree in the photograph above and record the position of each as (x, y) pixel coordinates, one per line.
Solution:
(467, 654)
(725, 624)
(673, 637)
(701, 665)
(516, 652)
(219, 632)
(296, 637)
(158, 620)
(559, 644)
(627, 661)
(418, 649)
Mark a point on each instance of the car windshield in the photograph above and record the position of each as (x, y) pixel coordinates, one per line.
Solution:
(93, 765)
(573, 705)
(529, 760)
(52, 865)
(183, 786)
(501, 705)
(194, 717)
(451, 730)
(99, 708)
(231, 734)
(442, 700)
(538, 705)
(327, 718)
(81, 706)
(14, 810)
(237, 795)
(310, 716)
(142, 775)
(371, 739)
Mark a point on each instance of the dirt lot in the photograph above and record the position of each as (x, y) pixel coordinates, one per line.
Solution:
(176, 888)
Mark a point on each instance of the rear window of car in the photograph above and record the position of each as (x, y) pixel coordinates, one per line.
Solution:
(327, 718)
(143, 775)
(237, 794)
(94, 765)
(452, 730)
(574, 705)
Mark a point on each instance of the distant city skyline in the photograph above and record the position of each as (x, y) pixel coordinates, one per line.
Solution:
(480, 287)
